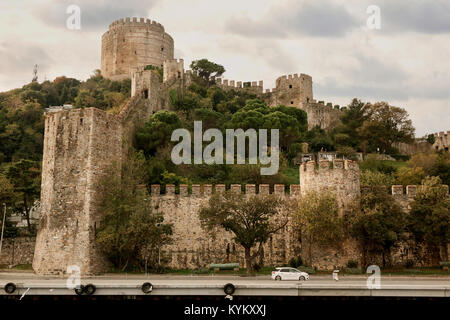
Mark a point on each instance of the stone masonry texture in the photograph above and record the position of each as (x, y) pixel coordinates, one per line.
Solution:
(80, 144)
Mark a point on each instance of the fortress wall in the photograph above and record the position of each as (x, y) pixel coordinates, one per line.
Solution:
(442, 141)
(17, 251)
(414, 148)
(255, 87)
(193, 247)
(296, 91)
(147, 98)
(340, 177)
(292, 90)
(79, 145)
(324, 116)
(132, 43)
(173, 69)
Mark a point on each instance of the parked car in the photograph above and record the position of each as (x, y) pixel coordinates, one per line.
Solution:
(289, 274)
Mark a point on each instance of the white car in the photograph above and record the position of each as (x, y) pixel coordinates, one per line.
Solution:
(289, 274)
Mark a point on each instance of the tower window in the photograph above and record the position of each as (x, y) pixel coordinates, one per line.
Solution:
(179, 74)
(146, 93)
(292, 102)
(162, 48)
(290, 86)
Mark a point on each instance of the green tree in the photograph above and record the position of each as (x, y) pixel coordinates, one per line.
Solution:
(376, 179)
(8, 197)
(156, 133)
(410, 176)
(441, 168)
(7, 194)
(433, 164)
(429, 219)
(379, 225)
(431, 139)
(130, 235)
(251, 220)
(25, 176)
(426, 161)
(318, 220)
(387, 125)
(288, 126)
(319, 140)
(257, 115)
(207, 69)
(185, 102)
(352, 119)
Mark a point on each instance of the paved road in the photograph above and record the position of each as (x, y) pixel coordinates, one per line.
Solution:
(123, 279)
(213, 285)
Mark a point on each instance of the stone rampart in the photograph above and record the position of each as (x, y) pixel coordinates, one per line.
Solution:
(79, 145)
(17, 251)
(131, 43)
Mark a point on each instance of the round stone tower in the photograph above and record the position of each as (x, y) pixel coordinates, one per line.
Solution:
(132, 43)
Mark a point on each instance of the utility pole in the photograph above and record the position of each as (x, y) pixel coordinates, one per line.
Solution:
(3, 226)
(35, 71)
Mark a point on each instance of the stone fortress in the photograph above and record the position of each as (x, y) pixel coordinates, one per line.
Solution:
(131, 44)
(442, 141)
(81, 144)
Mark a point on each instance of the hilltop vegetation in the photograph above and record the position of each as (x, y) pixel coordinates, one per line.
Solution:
(365, 127)
(22, 131)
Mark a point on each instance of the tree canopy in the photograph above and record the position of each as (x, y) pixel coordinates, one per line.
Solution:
(207, 69)
(429, 219)
(251, 220)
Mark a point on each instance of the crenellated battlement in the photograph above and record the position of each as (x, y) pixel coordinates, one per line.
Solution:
(409, 191)
(294, 76)
(174, 61)
(442, 141)
(327, 105)
(133, 21)
(339, 176)
(173, 69)
(325, 165)
(206, 190)
(441, 134)
(130, 43)
(238, 84)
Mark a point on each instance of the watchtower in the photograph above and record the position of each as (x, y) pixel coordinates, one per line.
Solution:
(132, 43)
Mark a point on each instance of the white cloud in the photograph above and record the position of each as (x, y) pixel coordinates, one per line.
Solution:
(405, 63)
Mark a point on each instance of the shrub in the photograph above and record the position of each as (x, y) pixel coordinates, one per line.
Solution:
(353, 270)
(352, 264)
(309, 270)
(256, 267)
(409, 263)
(410, 176)
(295, 262)
(375, 178)
(401, 157)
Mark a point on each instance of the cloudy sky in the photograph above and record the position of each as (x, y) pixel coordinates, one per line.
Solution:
(406, 62)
